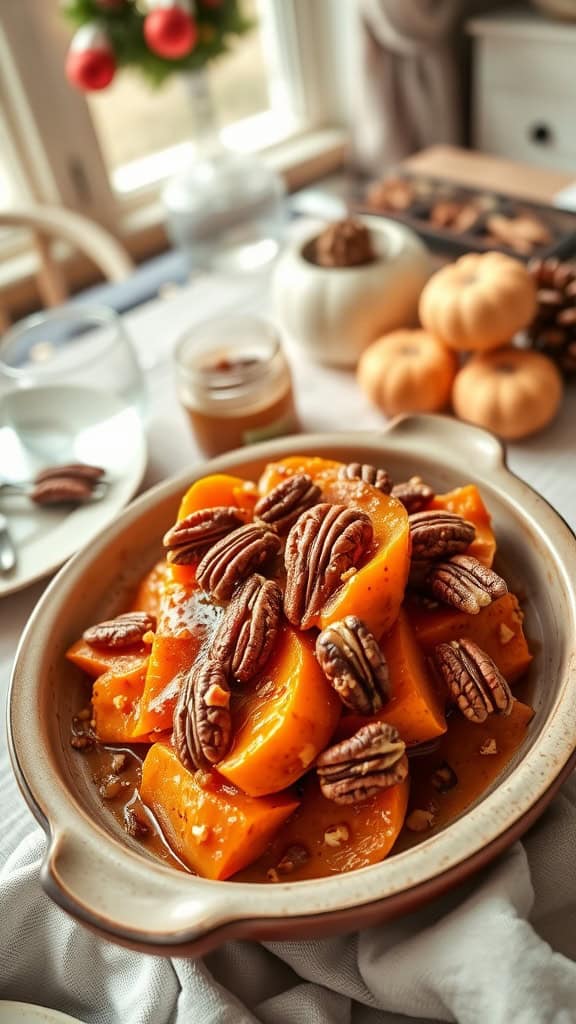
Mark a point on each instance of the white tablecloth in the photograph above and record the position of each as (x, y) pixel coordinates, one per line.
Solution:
(472, 957)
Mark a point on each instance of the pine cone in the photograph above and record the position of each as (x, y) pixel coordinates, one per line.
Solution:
(553, 329)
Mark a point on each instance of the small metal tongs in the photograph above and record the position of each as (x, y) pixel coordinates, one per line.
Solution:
(7, 549)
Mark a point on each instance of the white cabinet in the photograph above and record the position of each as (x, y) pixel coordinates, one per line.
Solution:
(524, 88)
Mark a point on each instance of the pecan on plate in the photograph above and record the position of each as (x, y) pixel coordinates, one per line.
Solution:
(465, 584)
(234, 557)
(280, 509)
(350, 657)
(189, 538)
(357, 768)
(247, 633)
(436, 534)
(324, 544)
(377, 478)
(125, 630)
(414, 494)
(202, 724)
(74, 470)
(474, 681)
(62, 490)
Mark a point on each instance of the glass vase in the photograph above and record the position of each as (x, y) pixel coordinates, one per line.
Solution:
(224, 210)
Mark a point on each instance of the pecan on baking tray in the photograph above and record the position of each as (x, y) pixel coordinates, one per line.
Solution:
(234, 557)
(190, 537)
(357, 768)
(280, 509)
(350, 657)
(414, 494)
(127, 630)
(377, 478)
(325, 543)
(247, 632)
(202, 724)
(465, 583)
(474, 681)
(435, 534)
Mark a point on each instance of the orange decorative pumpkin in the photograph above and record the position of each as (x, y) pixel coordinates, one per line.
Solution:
(478, 302)
(511, 391)
(407, 371)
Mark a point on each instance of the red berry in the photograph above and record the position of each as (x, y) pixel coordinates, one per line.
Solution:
(170, 32)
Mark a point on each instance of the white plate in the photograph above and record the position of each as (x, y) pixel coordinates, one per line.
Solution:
(50, 425)
(25, 1013)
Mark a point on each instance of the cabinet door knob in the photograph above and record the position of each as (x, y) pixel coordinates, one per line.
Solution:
(541, 134)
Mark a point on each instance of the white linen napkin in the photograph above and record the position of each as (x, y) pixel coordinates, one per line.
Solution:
(478, 956)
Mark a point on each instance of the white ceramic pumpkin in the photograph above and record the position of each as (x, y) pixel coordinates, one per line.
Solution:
(334, 313)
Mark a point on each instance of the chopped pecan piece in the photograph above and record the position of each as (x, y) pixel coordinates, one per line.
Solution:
(377, 478)
(350, 657)
(247, 633)
(189, 538)
(280, 509)
(357, 768)
(134, 825)
(321, 547)
(474, 681)
(419, 820)
(125, 630)
(202, 724)
(444, 778)
(436, 534)
(292, 859)
(234, 557)
(465, 584)
(413, 493)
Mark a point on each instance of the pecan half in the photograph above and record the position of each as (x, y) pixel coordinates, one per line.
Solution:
(377, 478)
(202, 724)
(464, 583)
(234, 557)
(125, 630)
(321, 547)
(436, 533)
(76, 470)
(285, 503)
(350, 657)
(61, 490)
(189, 538)
(474, 681)
(413, 493)
(247, 633)
(357, 768)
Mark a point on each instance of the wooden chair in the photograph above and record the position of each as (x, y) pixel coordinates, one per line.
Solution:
(51, 223)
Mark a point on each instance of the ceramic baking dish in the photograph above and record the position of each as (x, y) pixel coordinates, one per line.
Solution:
(97, 873)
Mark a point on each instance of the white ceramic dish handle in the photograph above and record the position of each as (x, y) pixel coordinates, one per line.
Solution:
(75, 873)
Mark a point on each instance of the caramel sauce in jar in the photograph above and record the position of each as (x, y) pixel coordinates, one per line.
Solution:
(234, 383)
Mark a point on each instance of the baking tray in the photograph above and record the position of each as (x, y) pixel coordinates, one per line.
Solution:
(430, 191)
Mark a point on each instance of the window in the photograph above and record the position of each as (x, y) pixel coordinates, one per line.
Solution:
(143, 131)
(107, 154)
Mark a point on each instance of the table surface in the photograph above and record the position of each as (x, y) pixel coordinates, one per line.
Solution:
(329, 400)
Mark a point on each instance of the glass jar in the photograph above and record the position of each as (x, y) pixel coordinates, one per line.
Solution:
(234, 383)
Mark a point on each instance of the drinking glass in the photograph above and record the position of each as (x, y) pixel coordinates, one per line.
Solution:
(71, 389)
